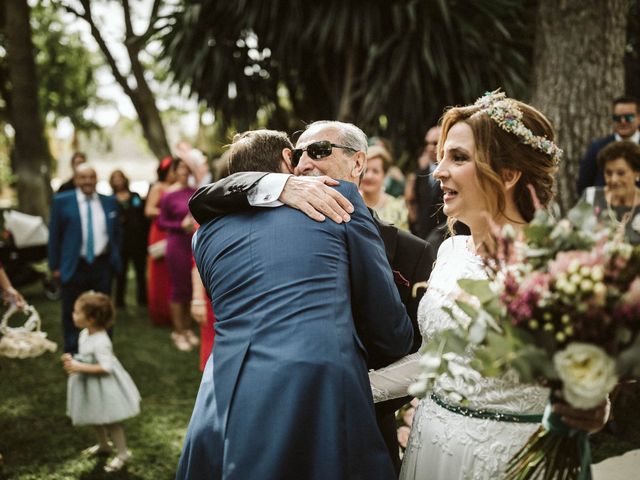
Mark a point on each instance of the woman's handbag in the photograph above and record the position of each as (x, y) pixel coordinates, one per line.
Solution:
(158, 249)
(25, 341)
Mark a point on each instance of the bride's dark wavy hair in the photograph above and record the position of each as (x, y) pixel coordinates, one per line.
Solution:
(497, 150)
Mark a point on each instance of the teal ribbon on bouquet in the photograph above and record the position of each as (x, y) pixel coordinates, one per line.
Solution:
(553, 423)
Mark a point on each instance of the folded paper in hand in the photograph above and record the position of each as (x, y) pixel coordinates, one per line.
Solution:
(158, 249)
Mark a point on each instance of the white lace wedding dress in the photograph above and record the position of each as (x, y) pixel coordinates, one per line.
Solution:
(445, 445)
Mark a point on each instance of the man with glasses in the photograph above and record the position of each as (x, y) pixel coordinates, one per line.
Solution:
(285, 394)
(325, 151)
(626, 121)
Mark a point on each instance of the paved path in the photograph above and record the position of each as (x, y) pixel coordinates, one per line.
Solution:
(623, 467)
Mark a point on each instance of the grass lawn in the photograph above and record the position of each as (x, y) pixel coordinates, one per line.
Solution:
(38, 441)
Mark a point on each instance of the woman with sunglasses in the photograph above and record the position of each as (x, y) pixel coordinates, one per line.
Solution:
(485, 168)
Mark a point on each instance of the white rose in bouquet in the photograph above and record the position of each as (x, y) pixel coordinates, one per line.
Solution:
(587, 374)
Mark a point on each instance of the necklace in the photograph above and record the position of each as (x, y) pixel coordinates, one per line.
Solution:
(627, 216)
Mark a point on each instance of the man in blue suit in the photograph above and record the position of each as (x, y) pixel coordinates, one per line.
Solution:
(318, 160)
(285, 394)
(84, 239)
(626, 120)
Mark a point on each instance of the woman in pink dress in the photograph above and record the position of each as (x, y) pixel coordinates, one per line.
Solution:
(179, 224)
(157, 273)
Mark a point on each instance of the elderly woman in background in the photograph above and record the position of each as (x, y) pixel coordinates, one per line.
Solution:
(158, 275)
(177, 221)
(620, 197)
(134, 237)
(389, 208)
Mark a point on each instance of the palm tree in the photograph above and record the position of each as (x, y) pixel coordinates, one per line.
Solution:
(388, 66)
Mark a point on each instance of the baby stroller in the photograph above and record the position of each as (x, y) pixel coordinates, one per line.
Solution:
(22, 243)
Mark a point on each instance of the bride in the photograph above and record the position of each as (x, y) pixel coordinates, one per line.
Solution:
(489, 153)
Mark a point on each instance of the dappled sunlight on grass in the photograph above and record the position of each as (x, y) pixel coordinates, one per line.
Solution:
(37, 439)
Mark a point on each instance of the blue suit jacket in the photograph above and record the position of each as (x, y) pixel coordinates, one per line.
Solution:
(590, 175)
(298, 303)
(65, 233)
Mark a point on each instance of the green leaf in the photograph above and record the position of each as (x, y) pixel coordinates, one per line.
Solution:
(481, 289)
(468, 309)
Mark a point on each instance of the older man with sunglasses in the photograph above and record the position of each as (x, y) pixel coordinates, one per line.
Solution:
(325, 152)
(626, 120)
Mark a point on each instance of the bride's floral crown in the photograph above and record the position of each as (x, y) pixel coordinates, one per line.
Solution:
(505, 112)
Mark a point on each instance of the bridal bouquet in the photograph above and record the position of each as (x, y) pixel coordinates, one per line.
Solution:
(561, 307)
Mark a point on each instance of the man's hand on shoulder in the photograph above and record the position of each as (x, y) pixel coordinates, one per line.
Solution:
(315, 197)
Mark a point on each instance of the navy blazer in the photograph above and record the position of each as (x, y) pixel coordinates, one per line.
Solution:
(590, 175)
(298, 304)
(65, 233)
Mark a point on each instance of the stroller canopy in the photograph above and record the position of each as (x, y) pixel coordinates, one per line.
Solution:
(27, 230)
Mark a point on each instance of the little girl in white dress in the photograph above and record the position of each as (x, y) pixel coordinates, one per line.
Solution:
(99, 390)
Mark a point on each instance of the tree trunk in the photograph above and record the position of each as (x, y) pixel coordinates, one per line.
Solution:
(31, 157)
(145, 104)
(578, 71)
(141, 95)
(149, 116)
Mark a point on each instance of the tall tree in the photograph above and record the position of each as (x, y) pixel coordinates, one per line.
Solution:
(390, 66)
(133, 82)
(31, 157)
(64, 67)
(578, 71)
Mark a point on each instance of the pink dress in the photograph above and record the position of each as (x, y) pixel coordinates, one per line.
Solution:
(173, 208)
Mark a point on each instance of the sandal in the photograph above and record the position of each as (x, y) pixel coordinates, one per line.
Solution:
(117, 463)
(192, 338)
(97, 450)
(180, 341)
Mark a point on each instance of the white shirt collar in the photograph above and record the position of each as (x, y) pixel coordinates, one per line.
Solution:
(83, 198)
(635, 138)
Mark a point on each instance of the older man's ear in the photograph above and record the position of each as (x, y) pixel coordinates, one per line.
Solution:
(285, 163)
(359, 166)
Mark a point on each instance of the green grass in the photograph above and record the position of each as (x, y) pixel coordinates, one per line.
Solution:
(38, 441)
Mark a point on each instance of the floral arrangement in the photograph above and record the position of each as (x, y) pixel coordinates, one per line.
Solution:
(560, 307)
(505, 112)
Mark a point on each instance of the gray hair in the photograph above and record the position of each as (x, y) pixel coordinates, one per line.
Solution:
(350, 135)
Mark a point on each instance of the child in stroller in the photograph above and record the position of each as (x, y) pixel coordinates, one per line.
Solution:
(23, 241)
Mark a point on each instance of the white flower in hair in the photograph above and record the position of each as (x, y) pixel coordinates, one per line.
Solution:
(505, 112)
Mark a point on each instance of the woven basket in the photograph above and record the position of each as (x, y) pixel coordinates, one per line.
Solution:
(25, 341)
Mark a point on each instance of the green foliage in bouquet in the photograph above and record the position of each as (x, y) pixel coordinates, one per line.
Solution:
(561, 307)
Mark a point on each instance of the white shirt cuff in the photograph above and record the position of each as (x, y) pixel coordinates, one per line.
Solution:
(267, 191)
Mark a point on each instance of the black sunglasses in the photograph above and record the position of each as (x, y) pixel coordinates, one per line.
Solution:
(629, 117)
(316, 151)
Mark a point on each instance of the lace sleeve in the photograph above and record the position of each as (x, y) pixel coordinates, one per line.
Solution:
(393, 381)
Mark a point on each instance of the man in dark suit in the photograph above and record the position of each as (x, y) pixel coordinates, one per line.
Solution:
(626, 120)
(323, 151)
(83, 252)
(286, 393)
(77, 158)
